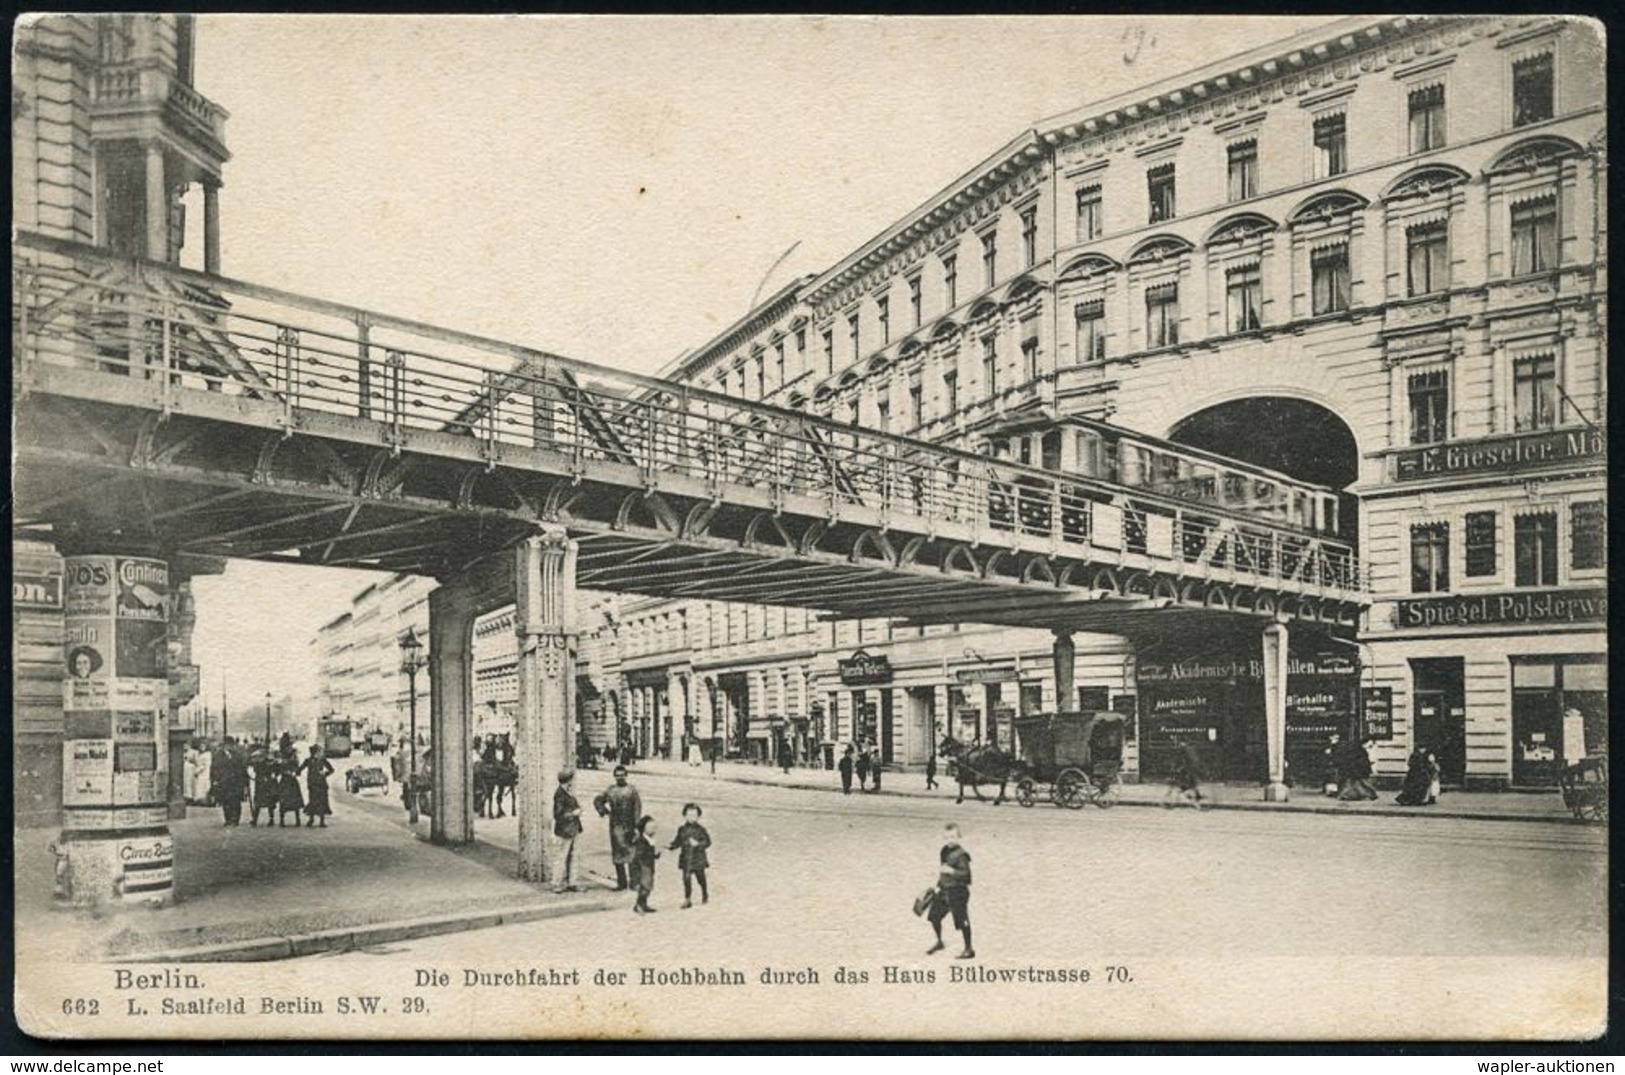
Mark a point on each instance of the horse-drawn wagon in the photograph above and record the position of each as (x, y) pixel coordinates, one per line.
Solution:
(1073, 757)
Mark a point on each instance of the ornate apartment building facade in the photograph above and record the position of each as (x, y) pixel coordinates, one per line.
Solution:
(1372, 257)
(1369, 259)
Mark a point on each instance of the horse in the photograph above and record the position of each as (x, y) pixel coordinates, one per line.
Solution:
(495, 775)
(974, 766)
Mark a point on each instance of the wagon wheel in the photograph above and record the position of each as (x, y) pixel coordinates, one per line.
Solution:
(1593, 808)
(1026, 791)
(1071, 789)
(1106, 796)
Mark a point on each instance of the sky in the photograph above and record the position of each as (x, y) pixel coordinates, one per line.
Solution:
(617, 189)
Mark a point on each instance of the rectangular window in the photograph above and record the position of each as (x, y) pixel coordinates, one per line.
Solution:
(1243, 170)
(1430, 558)
(883, 414)
(1534, 392)
(1427, 257)
(1534, 235)
(1029, 358)
(1426, 110)
(1588, 535)
(990, 259)
(761, 376)
(950, 280)
(1244, 298)
(1532, 90)
(801, 347)
(1534, 549)
(1162, 315)
(1029, 238)
(1089, 222)
(990, 365)
(916, 310)
(1331, 139)
(950, 391)
(852, 334)
(1430, 406)
(829, 351)
(854, 413)
(1160, 188)
(1090, 337)
(1480, 554)
(1329, 279)
(778, 361)
(883, 314)
(916, 405)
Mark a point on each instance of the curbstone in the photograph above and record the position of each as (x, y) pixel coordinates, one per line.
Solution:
(264, 949)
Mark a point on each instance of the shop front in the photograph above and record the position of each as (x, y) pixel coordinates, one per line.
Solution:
(1559, 714)
(1505, 688)
(868, 678)
(1214, 702)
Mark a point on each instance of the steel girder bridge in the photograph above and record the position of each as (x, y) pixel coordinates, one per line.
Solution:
(188, 414)
(171, 413)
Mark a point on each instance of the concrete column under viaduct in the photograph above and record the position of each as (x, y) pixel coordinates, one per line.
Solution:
(545, 621)
(452, 608)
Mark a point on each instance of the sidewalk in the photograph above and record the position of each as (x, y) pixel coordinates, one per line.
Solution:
(257, 893)
(1476, 805)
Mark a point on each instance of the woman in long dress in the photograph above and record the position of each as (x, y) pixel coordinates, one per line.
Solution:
(1414, 792)
(317, 769)
(289, 800)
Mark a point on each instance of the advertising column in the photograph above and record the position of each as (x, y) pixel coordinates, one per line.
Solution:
(115, 845)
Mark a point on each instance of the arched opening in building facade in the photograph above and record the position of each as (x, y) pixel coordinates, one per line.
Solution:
(1297, 437)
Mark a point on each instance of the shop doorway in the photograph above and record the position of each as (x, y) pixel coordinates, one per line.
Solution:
(922, 723)
(736, 694)
(887, 725)
(1439, 714)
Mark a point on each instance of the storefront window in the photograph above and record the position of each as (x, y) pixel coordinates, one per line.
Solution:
(1559, 714)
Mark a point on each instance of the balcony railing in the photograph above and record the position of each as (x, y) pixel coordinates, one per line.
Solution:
(75, 306)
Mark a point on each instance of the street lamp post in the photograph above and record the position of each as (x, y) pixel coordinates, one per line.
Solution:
(267, 720)
(412, 659)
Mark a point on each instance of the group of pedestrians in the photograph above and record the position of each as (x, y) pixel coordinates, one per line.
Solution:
(633, 841)
(269, 780)
(863, 759)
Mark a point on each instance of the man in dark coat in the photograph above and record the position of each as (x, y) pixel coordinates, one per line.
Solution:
(228, 780)
(846, 771)
(566, 827)
(862, 766)
(622, 805)
(931, 771)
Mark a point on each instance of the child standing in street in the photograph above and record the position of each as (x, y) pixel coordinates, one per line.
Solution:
(644, 853)
(692, 839)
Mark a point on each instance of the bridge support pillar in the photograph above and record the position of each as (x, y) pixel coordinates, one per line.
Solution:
(1065, 659)
(544, 617)
(451, 710)
(1275, 669)
(157, 204)
(211, 227)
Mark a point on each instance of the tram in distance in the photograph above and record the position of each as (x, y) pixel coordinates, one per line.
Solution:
(334, 735)
(1107, 453)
